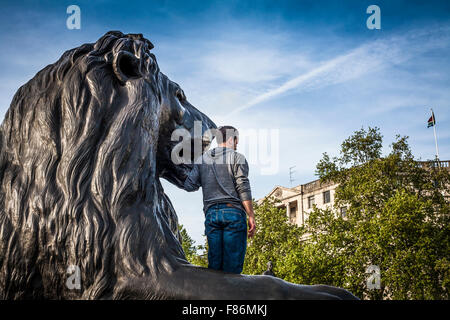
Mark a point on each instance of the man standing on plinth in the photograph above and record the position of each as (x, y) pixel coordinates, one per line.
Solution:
(227, 201)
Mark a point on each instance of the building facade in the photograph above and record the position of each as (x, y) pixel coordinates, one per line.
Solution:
(299, 200)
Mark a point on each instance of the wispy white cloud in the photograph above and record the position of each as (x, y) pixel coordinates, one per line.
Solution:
(245, 63)
(362, 60)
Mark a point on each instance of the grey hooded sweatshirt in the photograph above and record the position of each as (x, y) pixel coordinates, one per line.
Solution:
(223, 175)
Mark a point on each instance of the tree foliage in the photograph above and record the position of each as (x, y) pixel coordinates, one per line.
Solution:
(196, 255)
(397, 219)
(273, 241)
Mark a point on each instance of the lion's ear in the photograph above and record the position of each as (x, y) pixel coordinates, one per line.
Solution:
(126, 66)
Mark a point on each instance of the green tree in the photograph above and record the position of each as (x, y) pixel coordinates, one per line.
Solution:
(191, 250)
(201, 258)
(274, 240)
(397, 219)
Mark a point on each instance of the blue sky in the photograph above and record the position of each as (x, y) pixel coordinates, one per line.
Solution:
(309, 69)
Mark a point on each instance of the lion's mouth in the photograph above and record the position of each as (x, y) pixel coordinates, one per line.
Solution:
(176, 158)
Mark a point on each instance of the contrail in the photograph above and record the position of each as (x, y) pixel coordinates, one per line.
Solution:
(359, 61)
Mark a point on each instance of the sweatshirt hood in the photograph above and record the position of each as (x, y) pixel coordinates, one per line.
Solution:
(218, 152)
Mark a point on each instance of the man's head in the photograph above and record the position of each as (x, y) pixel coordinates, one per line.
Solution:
(227, 136)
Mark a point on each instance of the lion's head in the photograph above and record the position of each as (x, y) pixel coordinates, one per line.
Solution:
(83, 146)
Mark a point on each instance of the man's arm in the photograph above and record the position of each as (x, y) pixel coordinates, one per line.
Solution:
(240, 167)
(192, 182)
(244, 190)
(248, 206)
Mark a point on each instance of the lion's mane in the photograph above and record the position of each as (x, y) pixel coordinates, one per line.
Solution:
(78, 181)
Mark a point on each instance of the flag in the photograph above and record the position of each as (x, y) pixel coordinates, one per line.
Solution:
(432, 120)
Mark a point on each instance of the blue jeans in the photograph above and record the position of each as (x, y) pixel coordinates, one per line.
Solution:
(226, 230)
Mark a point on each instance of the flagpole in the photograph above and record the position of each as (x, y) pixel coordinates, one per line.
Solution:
(435, 136)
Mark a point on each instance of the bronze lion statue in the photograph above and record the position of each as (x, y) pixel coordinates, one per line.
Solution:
(83, 147)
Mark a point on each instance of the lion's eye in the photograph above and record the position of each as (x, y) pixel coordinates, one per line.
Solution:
(180, 95)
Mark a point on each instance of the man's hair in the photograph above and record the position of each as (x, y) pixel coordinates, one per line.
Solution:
(226, 132)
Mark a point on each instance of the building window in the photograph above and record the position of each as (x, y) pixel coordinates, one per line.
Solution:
(326, 197)
(293, 211)
(310, 202)
(343, 212)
